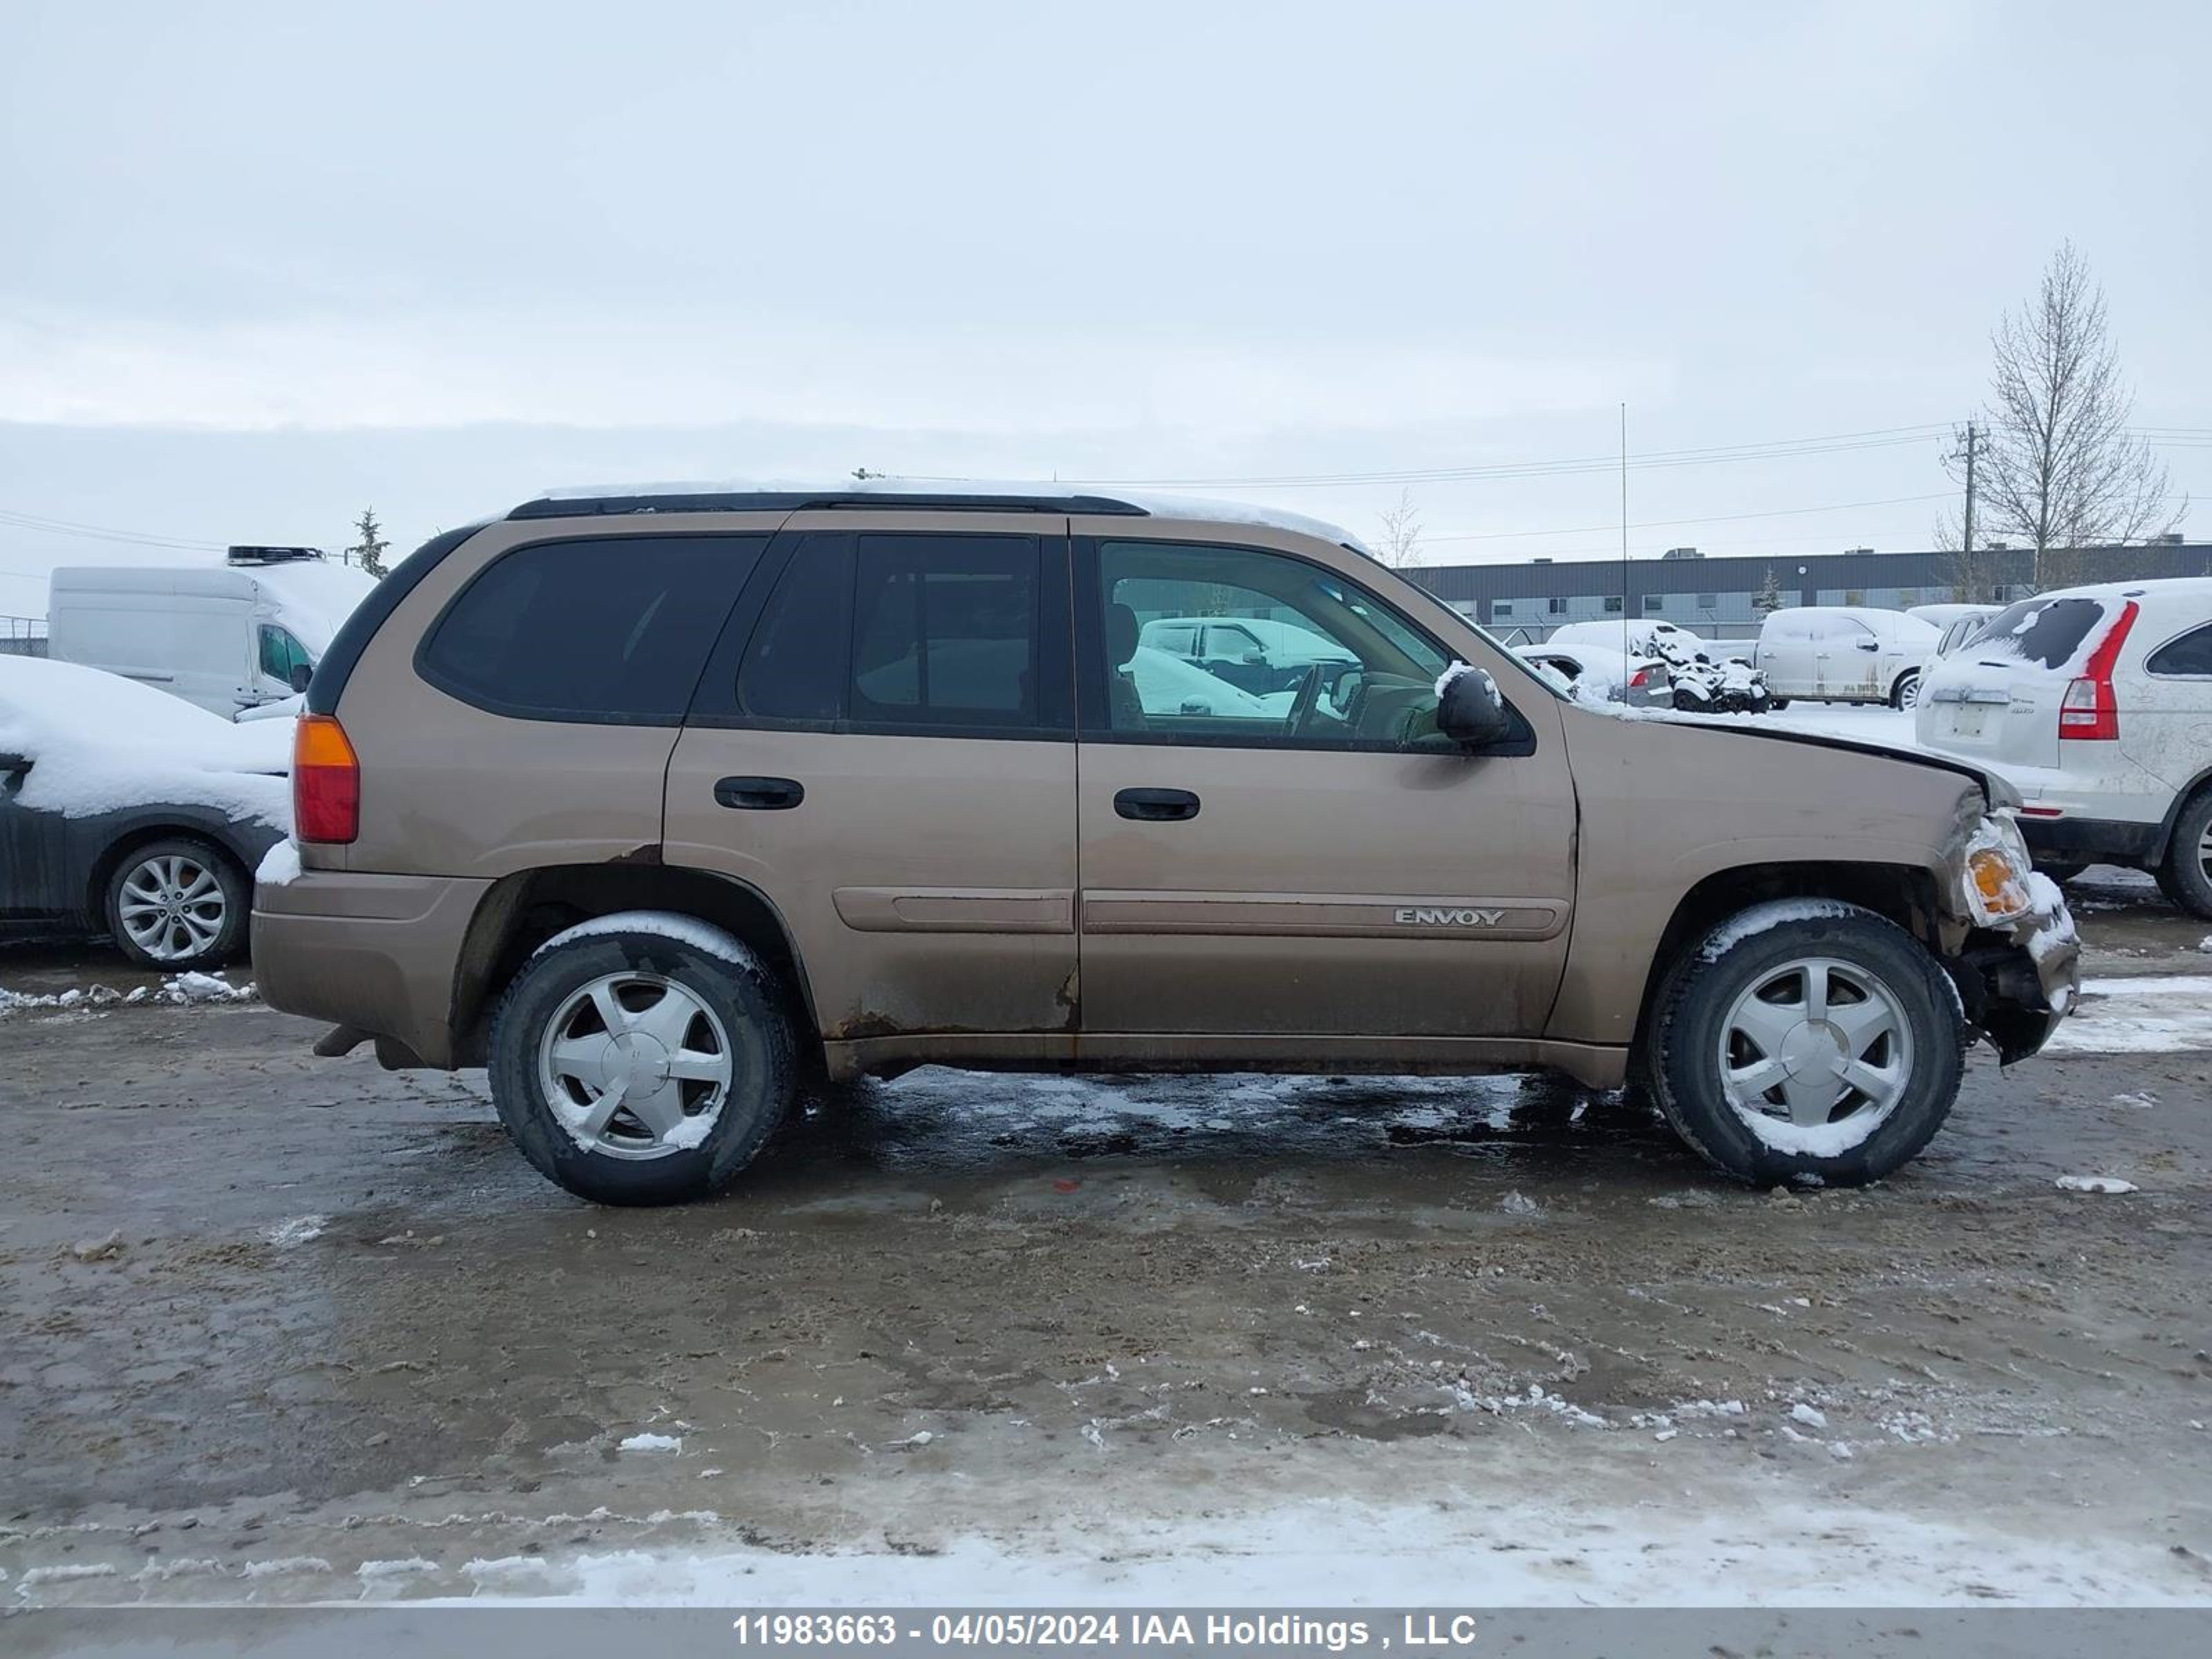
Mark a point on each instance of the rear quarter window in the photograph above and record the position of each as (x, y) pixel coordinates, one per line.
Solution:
(2190, 655)
(600, 631)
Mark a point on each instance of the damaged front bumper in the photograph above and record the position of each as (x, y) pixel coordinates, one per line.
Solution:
(2018, 964)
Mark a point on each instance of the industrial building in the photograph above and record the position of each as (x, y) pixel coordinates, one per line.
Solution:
(1716, 597)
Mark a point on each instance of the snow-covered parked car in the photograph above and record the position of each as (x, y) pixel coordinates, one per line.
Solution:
(1603, 672)
(1258, 654)
(1669, 643)
(128, 811)
(1844, 653)
(2096, 704)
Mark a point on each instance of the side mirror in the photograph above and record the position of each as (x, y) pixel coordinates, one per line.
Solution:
(301, 673)
(1470, 713)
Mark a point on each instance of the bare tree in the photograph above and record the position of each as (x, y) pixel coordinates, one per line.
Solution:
(2060, 471)
(1401, 532)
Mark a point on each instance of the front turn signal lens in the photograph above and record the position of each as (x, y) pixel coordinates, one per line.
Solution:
(2001, 891)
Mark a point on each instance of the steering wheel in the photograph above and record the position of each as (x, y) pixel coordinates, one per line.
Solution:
(1303, 704)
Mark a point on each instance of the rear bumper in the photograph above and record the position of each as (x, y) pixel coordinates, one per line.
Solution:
(2071, 840)
(374, 952)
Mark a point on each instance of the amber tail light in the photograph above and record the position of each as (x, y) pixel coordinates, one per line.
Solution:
(325, 781)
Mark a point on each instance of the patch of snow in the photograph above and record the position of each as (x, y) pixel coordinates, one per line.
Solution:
(297, 1231)
(1679, 1555)
(694, 1130)
(1200, 507)
(667, 924)
(280, 865)
(2111, 1018)
(2075, 1183)
(1763, 918)
(98, 742)
(648, 1442)
(1811, 1416)
(284, 1564)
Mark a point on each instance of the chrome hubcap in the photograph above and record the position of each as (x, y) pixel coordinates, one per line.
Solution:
(172, 907)
(1815, 1043)
(635, 1066)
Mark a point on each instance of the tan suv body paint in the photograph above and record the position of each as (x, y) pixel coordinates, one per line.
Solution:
(979, 901)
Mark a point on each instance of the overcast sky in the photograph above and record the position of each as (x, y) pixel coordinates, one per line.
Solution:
(264, 266)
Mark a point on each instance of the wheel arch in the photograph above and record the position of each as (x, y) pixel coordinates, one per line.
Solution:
(1904, 893)
(2182, 797)
(521, 912)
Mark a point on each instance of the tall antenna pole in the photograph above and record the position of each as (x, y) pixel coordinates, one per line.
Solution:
(1968, 540)
(1624, 532)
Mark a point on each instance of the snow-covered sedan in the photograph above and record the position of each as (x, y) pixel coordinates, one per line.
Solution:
(127, 812)
(2096, 704)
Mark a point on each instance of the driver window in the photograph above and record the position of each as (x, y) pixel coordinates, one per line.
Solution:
(1294, 654)
(279, 652)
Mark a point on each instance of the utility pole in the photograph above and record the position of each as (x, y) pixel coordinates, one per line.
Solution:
(1968, 585)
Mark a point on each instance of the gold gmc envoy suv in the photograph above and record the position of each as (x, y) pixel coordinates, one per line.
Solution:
(657, 803)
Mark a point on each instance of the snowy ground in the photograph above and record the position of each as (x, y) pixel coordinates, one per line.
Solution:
(283, 1329)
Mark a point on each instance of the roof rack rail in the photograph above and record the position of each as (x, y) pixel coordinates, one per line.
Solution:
(772, 501)
(240, 553)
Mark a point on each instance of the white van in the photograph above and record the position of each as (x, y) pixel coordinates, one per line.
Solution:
(228, 637)
(1844, 653)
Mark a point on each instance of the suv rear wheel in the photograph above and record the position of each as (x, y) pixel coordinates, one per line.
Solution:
(641, 1058)
(2188, 873)
(1808, 1038)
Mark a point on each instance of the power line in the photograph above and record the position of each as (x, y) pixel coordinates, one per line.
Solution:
(102, 532)
(1659, 524)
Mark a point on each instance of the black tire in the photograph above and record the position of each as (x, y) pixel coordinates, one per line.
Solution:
(1778, 704)
(763, 1064)
(1906, 691)
(2187, 877)
(1693, 1004)
(233, 884)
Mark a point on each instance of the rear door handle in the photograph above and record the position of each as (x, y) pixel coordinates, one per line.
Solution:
(760, 795)
(1157, 806)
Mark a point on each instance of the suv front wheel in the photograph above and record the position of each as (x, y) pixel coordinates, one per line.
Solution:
(641, 1058)
(1808, 1038)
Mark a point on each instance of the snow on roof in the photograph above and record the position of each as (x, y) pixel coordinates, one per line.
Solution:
(1202, 509)
(98, 742)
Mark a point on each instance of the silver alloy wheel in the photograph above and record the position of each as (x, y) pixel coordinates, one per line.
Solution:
(172, 907)
(1908, 694)
(635, 1066)
(1816, 1055)
(2204, 852)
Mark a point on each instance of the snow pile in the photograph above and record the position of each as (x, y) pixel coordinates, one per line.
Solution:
(280, 865)
(98, 742)
(176, 991)
(2110, 1184)
(651, 1442)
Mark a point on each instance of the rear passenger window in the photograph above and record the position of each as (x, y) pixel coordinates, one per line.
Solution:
(609, 630)
(902, 632)
(945, 631)
(2189, 654)
(795, 666)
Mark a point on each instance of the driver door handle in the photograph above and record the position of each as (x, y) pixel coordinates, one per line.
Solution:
(1157, 806)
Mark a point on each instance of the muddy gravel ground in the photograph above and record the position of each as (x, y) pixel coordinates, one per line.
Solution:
(281, 1328)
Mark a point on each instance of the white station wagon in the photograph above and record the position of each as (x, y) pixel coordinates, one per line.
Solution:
(2096, 704)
